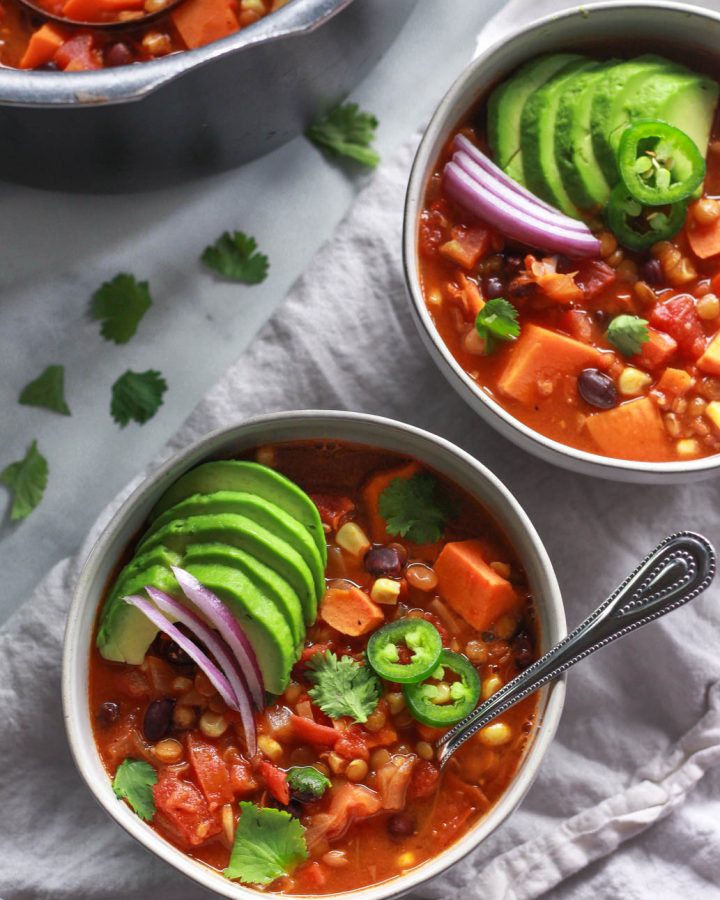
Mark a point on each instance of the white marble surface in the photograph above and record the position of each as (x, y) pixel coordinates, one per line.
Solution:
(57, 248)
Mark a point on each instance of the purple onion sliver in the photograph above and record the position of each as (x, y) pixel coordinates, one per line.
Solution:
(512, 223)
(215, 611)
(222, 653)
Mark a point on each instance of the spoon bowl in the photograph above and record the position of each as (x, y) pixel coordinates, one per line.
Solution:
(132, 20)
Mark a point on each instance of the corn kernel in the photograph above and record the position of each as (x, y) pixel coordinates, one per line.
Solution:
(424, 750)
(157, 44)
(502, 568)
(434, 297)
(708, 307)
(608, 243)
(405, 859)
(184, 716)
(379, 758)
(687, 447)
(376, 720)
(385, 591)
(353, 539)
(495, 734)
(357, 769)
(293, 691)
(270, 747)
(633, 381)
(336, 763)
(712, 411)
(705, 211)
(395, 701)
(505, 627)
(255, 5)
(168, 751)
(491, 685)
(228, 823)
(476, 652)
(213, 724)
(473, 343)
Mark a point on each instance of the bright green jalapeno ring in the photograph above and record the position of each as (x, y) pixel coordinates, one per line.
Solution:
(443, 703)
(658, 163)
(638, 227)
(422, 640)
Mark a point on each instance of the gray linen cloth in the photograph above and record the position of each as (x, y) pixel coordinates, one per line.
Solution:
(627, 803)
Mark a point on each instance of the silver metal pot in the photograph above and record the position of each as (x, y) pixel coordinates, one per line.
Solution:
(191, 113)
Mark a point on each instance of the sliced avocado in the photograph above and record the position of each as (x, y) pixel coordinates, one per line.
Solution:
(265, 513)
(266, 627)
(581, 173)
(247, 535)
(251, 478)
(505, 106)
(537, 132)
(262, 576)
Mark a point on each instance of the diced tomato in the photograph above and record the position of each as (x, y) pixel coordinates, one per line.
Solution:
(593, 276)
(314, 733)
(308, 653)
(185, 808)
(312, 875)
(578, 324)
(382, 738)
(423, 781)
(333, 509)
(242, 780)
(351, 745)
(433, 227)
(160, 673)
(211, 773)
(78, 54)
(349, 802)
(678, 317)
(467, 245)
(657, 351)
(276, 781)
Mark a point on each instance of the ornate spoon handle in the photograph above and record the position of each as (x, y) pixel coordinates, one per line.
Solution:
(676, 571)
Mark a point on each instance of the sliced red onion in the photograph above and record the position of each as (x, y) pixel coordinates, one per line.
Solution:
(215, 611)
(512, 222)
(223, 656)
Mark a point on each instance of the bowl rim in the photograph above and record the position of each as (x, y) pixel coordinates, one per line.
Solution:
(443, 120)
(379, 431)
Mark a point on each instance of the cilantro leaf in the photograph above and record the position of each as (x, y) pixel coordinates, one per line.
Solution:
(26, 479)
(47, 391)
(137, 396)
(120, 304)
(307, 780)
(233, 256)
(628, 334)
(412, 509)
(268, 843)
(133, 781)
(346, 131)
(497, 321)
(343, 687)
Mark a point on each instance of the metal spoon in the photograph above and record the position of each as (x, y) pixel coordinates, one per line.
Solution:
(677, 570)
(141, 18)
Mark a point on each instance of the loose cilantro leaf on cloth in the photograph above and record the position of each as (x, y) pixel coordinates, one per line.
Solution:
(119, 305)
(234, 256)
(47, 391)
(343, 687)
(268, 843)
(346, 131)
(26, 479)
(133, 781)
(414, 509)
(307, 780)
(628, 334)
(137, 396)
(497, 321)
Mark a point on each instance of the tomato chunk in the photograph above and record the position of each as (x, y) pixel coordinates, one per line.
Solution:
(276, 781)
(314, 733)
(333, 509)
(657, 351)
(593, 276)
(211, 773)
(678, 318)
(78, 54)
(185, 808)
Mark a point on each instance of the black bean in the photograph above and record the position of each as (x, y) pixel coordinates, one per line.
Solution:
(294, 807)
(401, 825)
(158, 717)
(601, 317)
(651, 271)
(108, 712)
(383, 561)
(118, 55)
(597, 389)
(174, 653)
(523, 650)
(513, 262)
(494, 287)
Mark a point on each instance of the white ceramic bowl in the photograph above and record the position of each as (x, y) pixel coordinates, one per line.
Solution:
(383, 433)
(600, 27)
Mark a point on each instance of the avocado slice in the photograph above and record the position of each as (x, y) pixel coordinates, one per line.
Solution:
(266, 627)
(248, 535)
(263, 577)
(581, 173)
(250, 478)
(505, 106)
(259, 510)
(537, 130)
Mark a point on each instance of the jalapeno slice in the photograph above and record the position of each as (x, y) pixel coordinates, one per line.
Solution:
(658, 163)
(422, 640)
(638, 227)
(440, 702)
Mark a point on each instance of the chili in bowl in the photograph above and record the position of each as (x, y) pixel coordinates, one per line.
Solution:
(272, 633)
(562, 240)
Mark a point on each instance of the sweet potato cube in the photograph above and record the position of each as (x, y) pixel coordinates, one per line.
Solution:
(710, 360)
(200, 22)
(43, 45)
(472, 587)
(674, 382)
(350, 611)
(631, 431)
(540, 355)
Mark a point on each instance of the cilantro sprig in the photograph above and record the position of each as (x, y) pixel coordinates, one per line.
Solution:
(119, 305)
(137, 396)
(47, 391)
(307, 780)
(347, 131)
(628, 334)
(234, 257)
(342, 687)
(133, 781)
(414, 508)
(497, 321)
(26, 480)
(268, 843)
